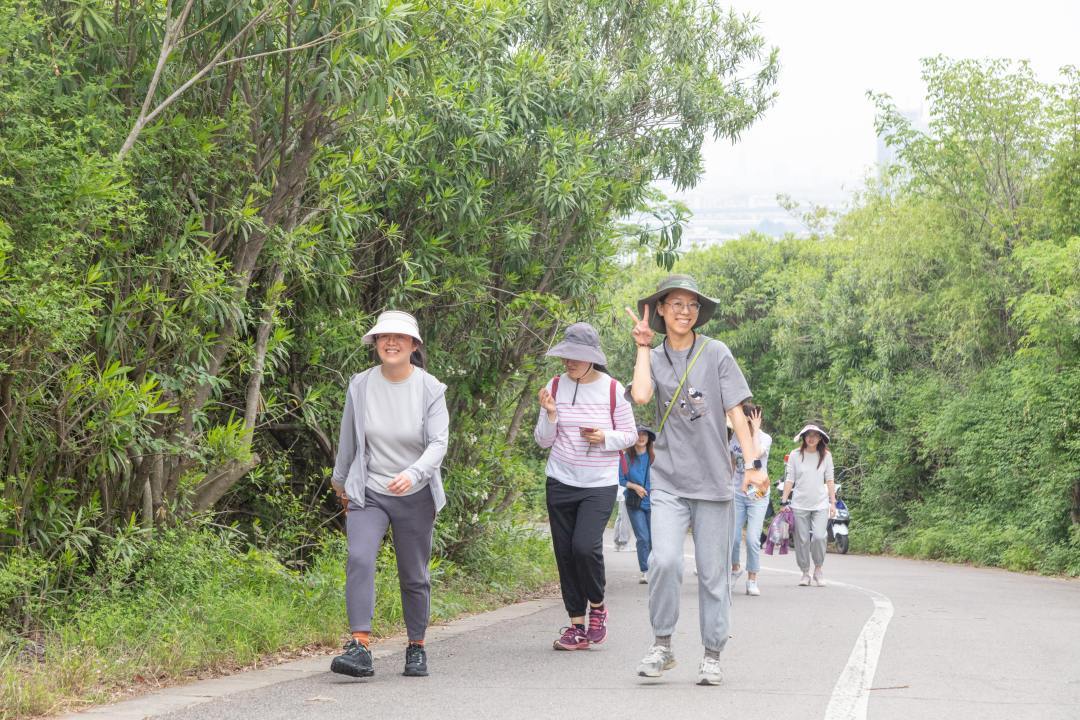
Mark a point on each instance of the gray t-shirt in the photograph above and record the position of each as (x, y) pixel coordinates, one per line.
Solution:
(692, 456)
(393, 426)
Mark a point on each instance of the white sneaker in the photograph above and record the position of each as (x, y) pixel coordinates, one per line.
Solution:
(805, 580)
(709, 672)
(656, 661)
(644, 579)
(751, 588)
(735, 575)
(818, 579)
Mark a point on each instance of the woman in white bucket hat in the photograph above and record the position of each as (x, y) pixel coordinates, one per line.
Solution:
(810, 473)
(393, 439)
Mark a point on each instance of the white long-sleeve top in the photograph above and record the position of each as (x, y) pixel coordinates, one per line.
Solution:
(573, 461)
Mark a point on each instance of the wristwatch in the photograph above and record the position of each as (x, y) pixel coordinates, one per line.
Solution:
(756, 465)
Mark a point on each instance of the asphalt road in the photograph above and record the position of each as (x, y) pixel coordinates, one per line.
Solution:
(891, 639)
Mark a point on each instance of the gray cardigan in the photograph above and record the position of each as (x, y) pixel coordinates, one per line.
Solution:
(350, 468)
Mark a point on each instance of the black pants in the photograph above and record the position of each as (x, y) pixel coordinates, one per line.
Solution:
(578, 517)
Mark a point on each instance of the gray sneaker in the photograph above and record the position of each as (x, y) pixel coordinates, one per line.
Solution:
(656, 661)
(709, 672)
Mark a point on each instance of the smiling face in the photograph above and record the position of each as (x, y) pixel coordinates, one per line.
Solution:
(680, 309)
(642, 442)
(394, 348)
(812, 438)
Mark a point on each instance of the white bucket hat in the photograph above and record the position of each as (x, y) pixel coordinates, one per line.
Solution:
(394, 322)
(807, 429)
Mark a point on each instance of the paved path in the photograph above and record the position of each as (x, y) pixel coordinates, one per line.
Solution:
(890, 639)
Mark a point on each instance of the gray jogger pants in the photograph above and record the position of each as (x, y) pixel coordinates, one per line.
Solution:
(713, 524)
(805, 548)
(412, 519)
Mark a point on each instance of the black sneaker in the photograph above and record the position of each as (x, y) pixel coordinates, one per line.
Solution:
(355, 661)
(415, 661)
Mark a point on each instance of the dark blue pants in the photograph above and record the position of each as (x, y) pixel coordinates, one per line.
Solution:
(639, 520)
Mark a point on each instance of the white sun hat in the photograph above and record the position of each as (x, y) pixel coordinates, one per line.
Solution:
(807, 429)
(394, 322)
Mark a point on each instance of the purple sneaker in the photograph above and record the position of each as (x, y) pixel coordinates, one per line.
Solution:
(597, 625)
(572, 638)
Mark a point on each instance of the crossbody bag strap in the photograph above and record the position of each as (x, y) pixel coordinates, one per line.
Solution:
(678, 390)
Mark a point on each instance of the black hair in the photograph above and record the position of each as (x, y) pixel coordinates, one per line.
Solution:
(823, 446)
(632, 450)
(419, 357)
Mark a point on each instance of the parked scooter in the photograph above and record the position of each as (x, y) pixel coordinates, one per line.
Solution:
(838, 526)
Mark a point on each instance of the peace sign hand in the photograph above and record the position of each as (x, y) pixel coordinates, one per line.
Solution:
(643, 334)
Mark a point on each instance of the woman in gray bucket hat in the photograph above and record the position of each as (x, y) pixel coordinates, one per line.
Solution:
(586, 422)
(698, 387)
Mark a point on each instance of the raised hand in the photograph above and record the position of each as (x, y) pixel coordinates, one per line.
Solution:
(547, 401)
(642, 333)
(755, 419)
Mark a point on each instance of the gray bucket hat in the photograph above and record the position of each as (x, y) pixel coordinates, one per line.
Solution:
(668, 284)
(580, 342)
(648, 431)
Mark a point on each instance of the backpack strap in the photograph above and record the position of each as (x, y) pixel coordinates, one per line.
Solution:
(623, 465)
(554, 386)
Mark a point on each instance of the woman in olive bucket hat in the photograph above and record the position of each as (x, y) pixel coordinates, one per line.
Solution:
(699, 387)
(586, 421)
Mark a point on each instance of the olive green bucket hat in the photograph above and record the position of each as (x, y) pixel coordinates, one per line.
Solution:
(668, 284)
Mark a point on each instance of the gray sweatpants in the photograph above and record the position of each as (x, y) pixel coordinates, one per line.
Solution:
(805, 548)
(713, 525)
(412, 519)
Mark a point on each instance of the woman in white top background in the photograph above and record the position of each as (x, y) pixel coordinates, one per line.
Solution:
(809, 485)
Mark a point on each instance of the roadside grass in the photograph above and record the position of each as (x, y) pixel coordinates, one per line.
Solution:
(199, 606)
(971, 541)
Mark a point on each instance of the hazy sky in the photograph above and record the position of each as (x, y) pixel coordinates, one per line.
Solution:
(818, 139)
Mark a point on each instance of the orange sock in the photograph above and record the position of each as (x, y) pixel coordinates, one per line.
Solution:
(364, 638)
(417, 642)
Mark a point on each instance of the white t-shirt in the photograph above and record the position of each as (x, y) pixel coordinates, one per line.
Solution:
(810, 492)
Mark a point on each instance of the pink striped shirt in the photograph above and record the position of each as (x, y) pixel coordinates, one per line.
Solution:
(573, 460)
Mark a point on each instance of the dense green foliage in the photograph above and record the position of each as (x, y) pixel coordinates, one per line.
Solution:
(203, 203)
(935, 329)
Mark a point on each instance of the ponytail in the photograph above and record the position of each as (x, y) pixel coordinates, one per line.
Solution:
(419, 357)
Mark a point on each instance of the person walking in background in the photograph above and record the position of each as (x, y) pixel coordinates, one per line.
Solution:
(699, 386)
(634, 477)
(750, 504)
(393, 438)
(586, 422)
(809, 485)
(622, 529)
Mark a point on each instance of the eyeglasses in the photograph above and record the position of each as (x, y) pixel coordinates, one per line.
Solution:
(680, 307)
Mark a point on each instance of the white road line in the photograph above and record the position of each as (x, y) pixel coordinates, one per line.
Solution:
(851, 694)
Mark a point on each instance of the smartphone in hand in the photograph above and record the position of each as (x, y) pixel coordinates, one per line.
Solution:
(586, 430)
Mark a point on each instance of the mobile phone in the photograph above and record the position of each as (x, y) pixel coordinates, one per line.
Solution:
(587, 430)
